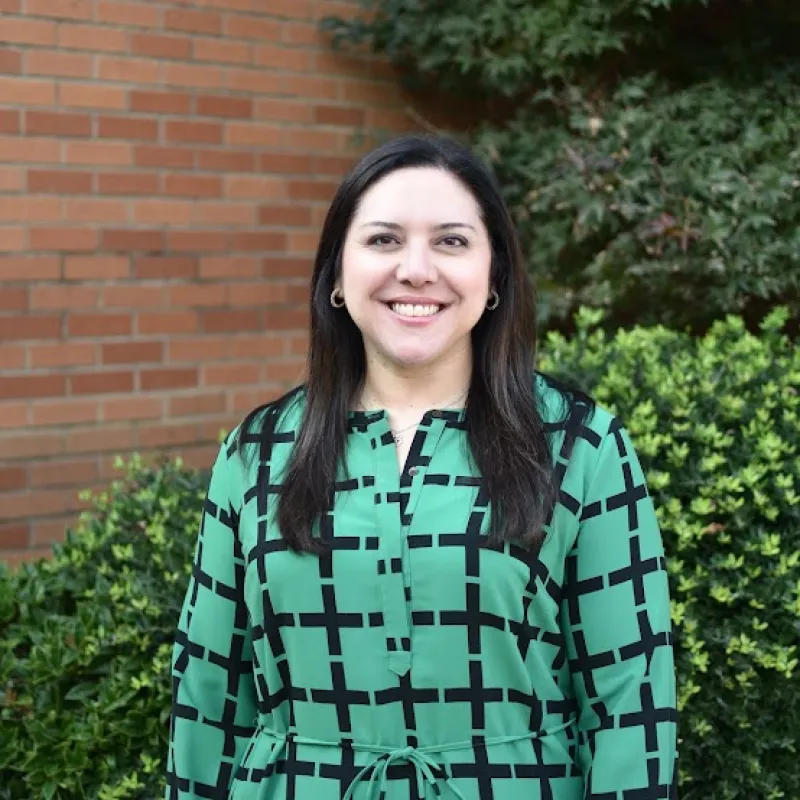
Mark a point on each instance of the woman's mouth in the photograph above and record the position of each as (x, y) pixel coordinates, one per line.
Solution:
(416, 309)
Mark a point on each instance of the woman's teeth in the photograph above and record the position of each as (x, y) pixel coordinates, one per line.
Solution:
(408, 310)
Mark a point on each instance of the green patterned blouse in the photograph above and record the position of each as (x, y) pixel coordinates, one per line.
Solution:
(415, 659)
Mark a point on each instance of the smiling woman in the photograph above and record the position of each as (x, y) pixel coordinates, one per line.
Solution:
(431, 570)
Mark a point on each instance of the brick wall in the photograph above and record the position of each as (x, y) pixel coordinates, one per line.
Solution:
(164, 168)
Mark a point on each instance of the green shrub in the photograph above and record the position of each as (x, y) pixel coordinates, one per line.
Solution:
(85, 638)
(716, 422)
(662, 206)
(85, 643)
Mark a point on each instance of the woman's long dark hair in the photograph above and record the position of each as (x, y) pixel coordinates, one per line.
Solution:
(505, 431)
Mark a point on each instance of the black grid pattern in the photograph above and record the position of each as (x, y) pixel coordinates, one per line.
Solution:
(416, 659)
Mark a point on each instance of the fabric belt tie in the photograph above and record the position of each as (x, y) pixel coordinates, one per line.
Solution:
(426, 768)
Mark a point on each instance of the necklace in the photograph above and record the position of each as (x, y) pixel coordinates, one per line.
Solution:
(397, 433)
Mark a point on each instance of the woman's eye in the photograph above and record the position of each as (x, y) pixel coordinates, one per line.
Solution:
(381, 240)
(454, 241)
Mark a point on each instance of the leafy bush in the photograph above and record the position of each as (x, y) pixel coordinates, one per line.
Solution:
(649, 149)
(716, 422)
(662, 206)
(85, 638)
(85, 643)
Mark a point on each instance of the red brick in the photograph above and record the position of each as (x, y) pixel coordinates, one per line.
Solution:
(201, 77)
(10, 61)
(96, 268)
(156, 46)
(12, 356)
(197, 295)
(15, 535)
(98, 438)
(132, 240)
(257, 81)
(211, 105)
(287, 266)
(30, 150)
(100, 153)
(59, 181)
(313, 87)
(13, 298)
(198, 349)
(222, 50)
(172, 157)
(167, 322)
(166, 212)
(226, 161)
(184, 131)
(99, 325)
(9, 121)
(60, 9)
(192, 21)
(161, 102)
(47, 532)
(128, 183)
(29, 31)
(62, 354)
(192, 185)
(129, 409)
(314, 139)
(57, 297)
(229, 267)
(281, 319)
(30, 445)
(280, 215)
(231, 321)
(256, 294)
(253, 134)
(147, 268)
(64, 412)
(58, 124)
(333, 165)
(197, 404)
(273, 110)
(167, 435)
(13, 415)
(197, 241)
(91, 37)
(101, 382)
(255, 186)
(151, 380)
(29, 209)
(293, 58)
(228, 213)
(92, 95)
(64, 472)
(127, 128)
(262, 241)
(128, 70)
(322, 190)
(258, 347)
(125, 295)
(94, 209)
(63, 239)
(132, 352)
(231, 374)
(242, 27)
(27, 92)
(12, 239)
(339, 115)
(27, 386)
(139, 15)
(285, 163)
(62, 65)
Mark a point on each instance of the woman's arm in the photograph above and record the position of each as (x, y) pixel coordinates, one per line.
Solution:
(213, 689)
(616, 619)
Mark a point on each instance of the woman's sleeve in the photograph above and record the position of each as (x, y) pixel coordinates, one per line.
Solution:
(213, 690)
(616, 620)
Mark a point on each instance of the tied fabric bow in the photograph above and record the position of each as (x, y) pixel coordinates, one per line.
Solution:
(424, 766)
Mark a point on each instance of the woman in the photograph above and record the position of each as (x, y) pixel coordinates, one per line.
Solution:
(430, 571)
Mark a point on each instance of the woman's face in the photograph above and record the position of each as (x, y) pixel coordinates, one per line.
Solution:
(416, 268)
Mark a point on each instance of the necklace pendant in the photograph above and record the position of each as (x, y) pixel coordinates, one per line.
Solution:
(398, 437)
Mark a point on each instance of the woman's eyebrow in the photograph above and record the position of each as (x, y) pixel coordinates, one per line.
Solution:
(395, 227)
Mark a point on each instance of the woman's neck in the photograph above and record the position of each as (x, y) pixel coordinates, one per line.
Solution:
(440, 386)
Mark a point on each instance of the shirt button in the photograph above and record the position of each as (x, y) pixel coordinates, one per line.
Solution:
(413, 470)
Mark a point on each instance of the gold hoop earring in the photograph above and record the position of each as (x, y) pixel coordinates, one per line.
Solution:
(337, 298)
(494, 302)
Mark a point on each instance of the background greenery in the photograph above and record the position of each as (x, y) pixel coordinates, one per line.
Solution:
(650, 149)
(85, 637)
